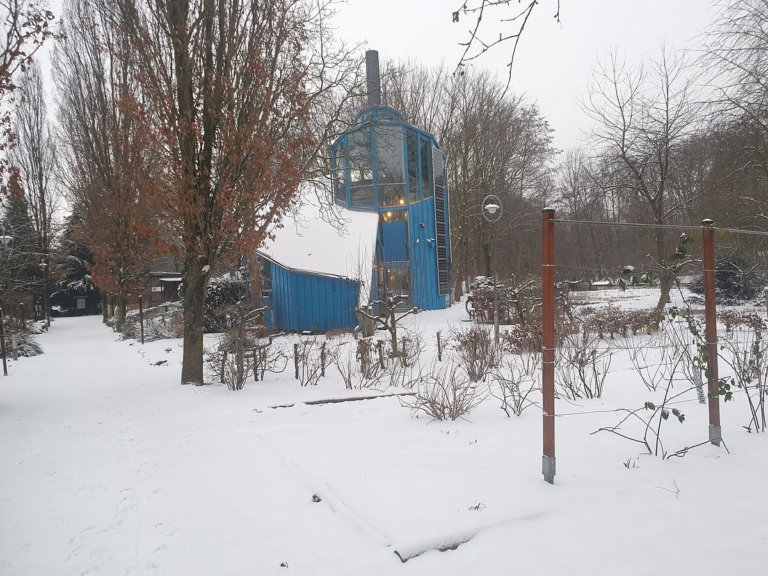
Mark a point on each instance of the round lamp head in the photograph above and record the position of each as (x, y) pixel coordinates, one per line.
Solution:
(491, 208)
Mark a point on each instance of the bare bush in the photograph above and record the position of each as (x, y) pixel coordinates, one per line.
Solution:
(582, 366)
(347, 363)
(404, 376)
(612, 321)
(445, 393)
(309, 361)
(372, 357)
(683, 335)
(653, 359)
(746, 352)
(522, 338)
(266, 357)
(516, 378)
(476, 351)
(644, 425)
(411, 346)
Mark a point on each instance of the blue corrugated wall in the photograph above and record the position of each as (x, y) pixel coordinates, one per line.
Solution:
(302, 301)
(423, 256)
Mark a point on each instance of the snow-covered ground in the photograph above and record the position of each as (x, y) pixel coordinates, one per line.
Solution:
(108, 466)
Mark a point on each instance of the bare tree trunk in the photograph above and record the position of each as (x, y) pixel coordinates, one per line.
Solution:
(104, 308)
(46, 299)
(122, 308)
(254, 275)
(194, 314)
(243, 313)
(666, 284)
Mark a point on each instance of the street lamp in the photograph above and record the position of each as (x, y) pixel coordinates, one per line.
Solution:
(492, 211)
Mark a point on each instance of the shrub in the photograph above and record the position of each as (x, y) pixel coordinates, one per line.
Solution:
(735, 279)
(26, 345)
(222, 293)
(612, 321)
(310, 359)
(516, 379)
(158, 325)
(582, 366)
(444, 393)
(477, 352)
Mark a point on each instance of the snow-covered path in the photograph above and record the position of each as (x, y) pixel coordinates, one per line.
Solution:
(108, 466)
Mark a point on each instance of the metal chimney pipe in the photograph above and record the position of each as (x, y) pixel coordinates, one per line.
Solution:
(373, 80)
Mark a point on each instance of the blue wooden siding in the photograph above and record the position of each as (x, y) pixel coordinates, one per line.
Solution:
(303, 301)
(423, 256)
(393, 240)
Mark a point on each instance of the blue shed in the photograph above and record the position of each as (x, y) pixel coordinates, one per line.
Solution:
(307, 301)
(313, 274)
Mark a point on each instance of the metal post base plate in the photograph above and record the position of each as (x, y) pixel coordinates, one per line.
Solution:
(715, 435)
(548, 468)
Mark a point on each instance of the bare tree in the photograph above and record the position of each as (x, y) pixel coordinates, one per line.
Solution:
(229, 87)
(35, 158)
(25, 26)
(642, 115)
(499, 145)
(492, 23)
(733, 59)
(108, 146)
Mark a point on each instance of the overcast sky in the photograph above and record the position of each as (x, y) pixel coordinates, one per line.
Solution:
(553, 61)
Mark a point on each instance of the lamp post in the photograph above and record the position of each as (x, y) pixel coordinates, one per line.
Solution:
(492, 211)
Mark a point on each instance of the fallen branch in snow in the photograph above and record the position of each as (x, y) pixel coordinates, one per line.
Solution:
(338, 400)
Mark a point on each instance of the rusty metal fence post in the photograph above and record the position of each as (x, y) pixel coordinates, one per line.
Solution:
(710, 333)
(548, 342)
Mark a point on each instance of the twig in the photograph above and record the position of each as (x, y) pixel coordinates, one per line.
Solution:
(676, 492)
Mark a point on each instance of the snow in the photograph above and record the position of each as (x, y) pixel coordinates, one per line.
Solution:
(308, 242)
(109, 466)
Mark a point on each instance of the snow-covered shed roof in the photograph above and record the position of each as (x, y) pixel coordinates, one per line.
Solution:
(307, 242)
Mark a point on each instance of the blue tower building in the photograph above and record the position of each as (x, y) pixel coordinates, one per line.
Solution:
(389, 178)
(387, 166)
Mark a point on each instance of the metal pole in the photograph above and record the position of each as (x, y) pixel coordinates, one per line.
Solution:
(141, 318)
(495, 296)
(710, 315)
(548, 342)
(2, 342)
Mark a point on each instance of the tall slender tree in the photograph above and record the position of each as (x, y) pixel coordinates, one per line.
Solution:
(35, 158)
(25, 24)
(113, 169)
(226, 82)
